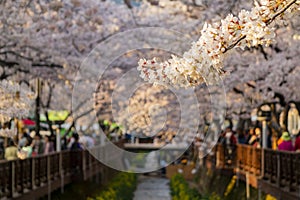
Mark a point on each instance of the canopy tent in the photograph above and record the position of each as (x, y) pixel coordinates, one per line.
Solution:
(28, 122)
(56, 116)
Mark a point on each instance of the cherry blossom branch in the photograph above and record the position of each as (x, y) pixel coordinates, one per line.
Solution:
(281, 11)
(267, 23)
(235, 43)
(204, 61)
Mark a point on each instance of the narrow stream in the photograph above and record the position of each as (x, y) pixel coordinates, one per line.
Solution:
(152, 188)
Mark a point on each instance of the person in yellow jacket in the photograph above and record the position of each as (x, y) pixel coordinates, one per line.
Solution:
(11, 151)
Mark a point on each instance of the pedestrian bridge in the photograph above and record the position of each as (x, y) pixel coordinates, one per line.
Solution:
(153, 147)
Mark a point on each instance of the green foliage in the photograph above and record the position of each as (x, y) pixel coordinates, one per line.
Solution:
(214, 196)
(122, 187)
(180, 189)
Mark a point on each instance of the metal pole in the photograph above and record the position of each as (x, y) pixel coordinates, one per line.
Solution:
(58, 140)
(264, 146)
(264, 134)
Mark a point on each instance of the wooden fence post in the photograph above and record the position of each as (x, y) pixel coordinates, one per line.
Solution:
(12, 186)
(61, 172)
(217, 158)
(278, 169)
(247, 186)
(32, 173)
(49, 177)
(91, 166)
(84, 164)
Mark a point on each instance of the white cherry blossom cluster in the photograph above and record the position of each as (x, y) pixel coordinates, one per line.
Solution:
(204, 61)
(143, 112)
(14, 101)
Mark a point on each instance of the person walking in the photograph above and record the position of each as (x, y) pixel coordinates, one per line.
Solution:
(76, 145)
(37, 145)
(48, 145)
(255, 138)
(11, 151)
(241, 136)
(230, 143)
(26, 151)
(286, 144)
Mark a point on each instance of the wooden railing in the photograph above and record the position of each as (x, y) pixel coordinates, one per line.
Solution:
(225, 156)
(249, 159)
(37, 176)
(280, 169)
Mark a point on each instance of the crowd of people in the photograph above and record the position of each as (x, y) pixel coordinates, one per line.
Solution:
(25, 146)
(253, 137)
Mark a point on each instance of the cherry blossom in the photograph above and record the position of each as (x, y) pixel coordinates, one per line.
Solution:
(205, 58)
(15, 101)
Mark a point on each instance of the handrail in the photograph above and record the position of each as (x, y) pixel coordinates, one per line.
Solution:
(19, 177)
(225, 155)
(279, 168)
(249, 159)
(282, 168)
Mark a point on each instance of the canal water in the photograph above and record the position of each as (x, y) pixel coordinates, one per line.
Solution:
(152, 188)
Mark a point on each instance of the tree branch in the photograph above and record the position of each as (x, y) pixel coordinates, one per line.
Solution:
(267, 23)
(261, 49)
(52, 65)
(238, 91)
(281, 11)
(128, 4)
(16, 54)
(234, 44)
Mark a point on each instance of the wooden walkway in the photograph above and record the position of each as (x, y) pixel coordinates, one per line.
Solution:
(38, 176)
(273, 172)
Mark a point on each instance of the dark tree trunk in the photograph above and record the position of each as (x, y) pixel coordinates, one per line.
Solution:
(37, 107)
